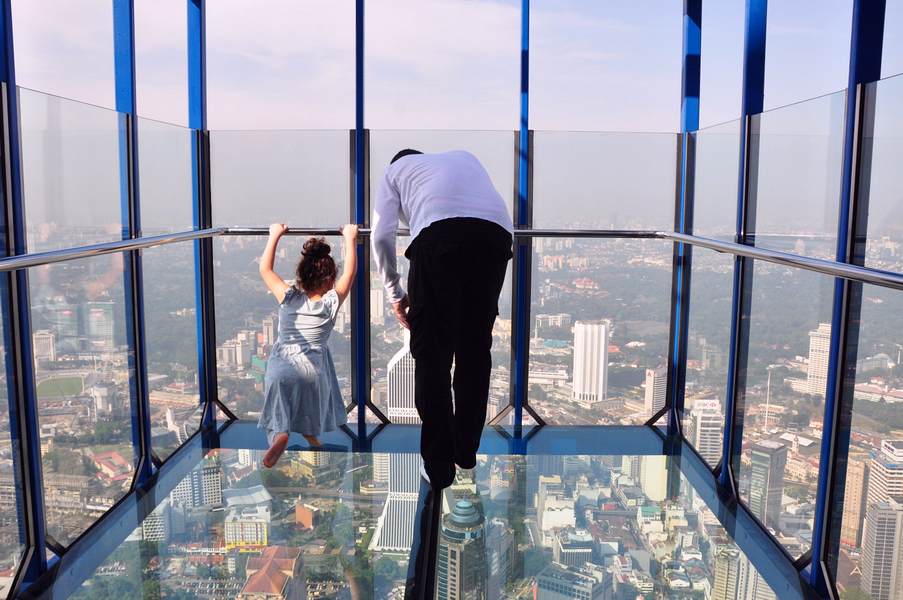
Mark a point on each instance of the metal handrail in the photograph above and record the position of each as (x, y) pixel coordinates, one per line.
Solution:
(36, 259)
(817, 265)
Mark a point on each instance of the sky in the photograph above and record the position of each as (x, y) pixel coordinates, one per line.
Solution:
(447, 64)
(434, 71)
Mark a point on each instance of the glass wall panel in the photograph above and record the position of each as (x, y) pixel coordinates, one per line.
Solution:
(161, 71)
(874, 467)
(300, 178)
(390, 357)
(721, 68)
(892, 54)
(599, 330)
(783, 399)
(11, 545)
(172, 352)
(247, 320)
(604, 180)
(70, 171)
(288, 66)
(808, 49)
(715, 184)
(797, 188)
(709, 334)
(494, 149)
(593, 68)
(450, 64)
(881, 151)
(65, 48)
(164, 174)
(82, 378)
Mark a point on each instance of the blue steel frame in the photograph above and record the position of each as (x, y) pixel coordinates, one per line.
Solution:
(126, 105)
(752, 97)
(683, 222)
(864, 67)
(866, 44)
(23, 415)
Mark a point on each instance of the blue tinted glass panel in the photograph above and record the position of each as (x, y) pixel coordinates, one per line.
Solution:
(721, 69)
(715, 181)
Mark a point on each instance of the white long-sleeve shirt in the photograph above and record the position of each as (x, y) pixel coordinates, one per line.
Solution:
(420, 189)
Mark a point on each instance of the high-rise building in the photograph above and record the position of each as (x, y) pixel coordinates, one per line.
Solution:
(99, 321)
(461, 569)
(558, 582)
(380, 467)
(269, 331)
(377, 306)
(395, 526)
(44, 345)
(654, 477)
(886, 473)
(882, 550)
(706, 421)
(854, 500)
(156, 526)
(656, 386)
(819, 351)
(202, 487)
(400, 386)
(731, 574)
(590, 362)
(573, 547)
(769, 459)
(501, 557)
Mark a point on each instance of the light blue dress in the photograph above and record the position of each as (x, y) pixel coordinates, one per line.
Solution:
(302, 391)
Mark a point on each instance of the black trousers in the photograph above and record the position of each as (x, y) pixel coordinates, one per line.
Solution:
(457, 271)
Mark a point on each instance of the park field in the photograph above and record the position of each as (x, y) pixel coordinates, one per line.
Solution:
(69, 385)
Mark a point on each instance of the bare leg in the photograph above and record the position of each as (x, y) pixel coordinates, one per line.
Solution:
(280, 441)
(313, 441)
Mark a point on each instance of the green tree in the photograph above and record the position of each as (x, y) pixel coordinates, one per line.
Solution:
(854, 593)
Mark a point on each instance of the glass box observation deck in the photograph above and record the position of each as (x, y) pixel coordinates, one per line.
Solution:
(738, 269)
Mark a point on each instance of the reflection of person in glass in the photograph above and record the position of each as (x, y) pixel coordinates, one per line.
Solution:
(459, 251)
(301, 389)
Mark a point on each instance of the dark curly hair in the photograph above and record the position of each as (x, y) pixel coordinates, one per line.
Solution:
(316, 270)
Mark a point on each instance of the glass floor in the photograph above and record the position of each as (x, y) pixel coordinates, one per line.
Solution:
(340, 524)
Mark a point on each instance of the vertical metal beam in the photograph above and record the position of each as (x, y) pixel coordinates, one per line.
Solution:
(752, 96)
(126, 105)
(867, 37)
(360, 331)
(683, 218)
(202, 210)
(523, 246)
(23, 406)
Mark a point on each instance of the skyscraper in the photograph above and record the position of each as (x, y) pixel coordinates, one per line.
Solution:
(400, 386)
(461, 569)
(707, 421)
(377, 306)
(269, 331)
(731, 574)
(656, 386)
(886, 473)
(99, 319)
(590, 362)
(766, 489)
(44, 345)
(395, 526)
(854, 500)
(819, 350)
(882, 550)
(654, 477)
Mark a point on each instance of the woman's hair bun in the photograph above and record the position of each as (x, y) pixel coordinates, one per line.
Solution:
(316, 248)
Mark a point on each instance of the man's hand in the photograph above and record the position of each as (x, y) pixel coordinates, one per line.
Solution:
(400, 309)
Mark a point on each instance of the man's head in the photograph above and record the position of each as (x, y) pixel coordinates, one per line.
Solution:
(403, 153)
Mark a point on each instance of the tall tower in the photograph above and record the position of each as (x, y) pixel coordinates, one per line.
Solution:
(461, 568)
(707, 422)
(395, 526)
(819, 350)
(400, 386)
(731, 575)
(766, 489)
(886, 473)
(656, 386)
(882, 550)
(854, 500)
(590, 362)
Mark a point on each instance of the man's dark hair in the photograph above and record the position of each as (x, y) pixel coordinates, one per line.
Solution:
(403, 153)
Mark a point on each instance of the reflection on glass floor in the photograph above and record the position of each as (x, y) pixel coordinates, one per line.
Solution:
(344, 525)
